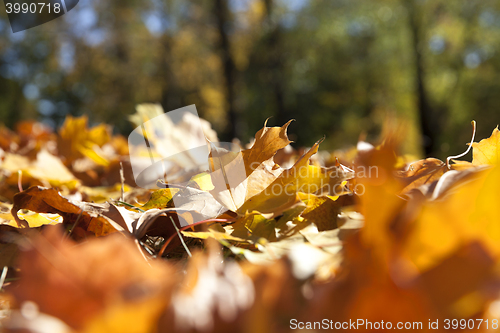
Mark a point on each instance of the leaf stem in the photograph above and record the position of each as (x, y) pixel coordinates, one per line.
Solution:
(468, 149)
(161, 184)
(20, 180)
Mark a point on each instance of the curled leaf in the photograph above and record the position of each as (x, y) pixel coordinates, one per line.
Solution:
(44, 200)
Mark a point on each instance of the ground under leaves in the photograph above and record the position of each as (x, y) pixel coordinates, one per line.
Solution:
(266, 238)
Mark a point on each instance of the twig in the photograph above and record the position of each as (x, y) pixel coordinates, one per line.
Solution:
(12, 279)
(122, 179)
(139, 247)
(190, 226)
(129, 205)
(180, 237)
(4, 275)
(76, 222)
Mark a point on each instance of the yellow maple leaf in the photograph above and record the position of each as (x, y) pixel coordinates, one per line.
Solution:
(282, 193)
(487, 151)
(76, 140)
(34, 219)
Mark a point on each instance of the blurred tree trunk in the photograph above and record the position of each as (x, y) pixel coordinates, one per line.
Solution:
(12, 100)
(122, 97)
(221, 14)
(275, 63)
(429, 122)
(170, 96)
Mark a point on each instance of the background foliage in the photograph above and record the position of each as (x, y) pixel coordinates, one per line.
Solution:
(336, 66)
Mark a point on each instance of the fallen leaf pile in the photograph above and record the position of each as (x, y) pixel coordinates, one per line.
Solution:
(264, 239)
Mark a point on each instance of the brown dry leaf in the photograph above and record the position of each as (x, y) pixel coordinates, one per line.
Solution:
(322, 211)
(189, 206)
(120, 218)
(9, 250)
(120, 145)
(154, 222)
(268, 141)
(9, 141)
(96, 285)
(450, 181)
(30, 136)
(44, 200)
(421, 172)
(33, 136)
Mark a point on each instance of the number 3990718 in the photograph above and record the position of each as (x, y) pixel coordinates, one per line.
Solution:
(33, 8)
(471, 324)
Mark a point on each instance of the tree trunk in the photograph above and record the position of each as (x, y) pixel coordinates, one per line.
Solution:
(221, 13)
(275, 63)
(428, 121)
(171, 98)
